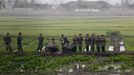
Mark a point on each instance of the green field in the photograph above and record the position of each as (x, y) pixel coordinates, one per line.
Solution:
(55, 26)
(40, 65)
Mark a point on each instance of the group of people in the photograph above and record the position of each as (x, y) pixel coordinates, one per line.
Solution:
(76, 43)
(8, 39)
(90, 43)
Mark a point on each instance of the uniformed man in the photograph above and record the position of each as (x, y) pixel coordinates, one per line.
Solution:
(103, 43)
(87, 42)
(80, 41)
(19, 42)
(75, 39)
(40, 42)
(63, 40)
(92, 42)
(98, 43)
(8, 40)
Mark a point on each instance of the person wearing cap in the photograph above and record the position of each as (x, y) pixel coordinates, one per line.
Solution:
(103, 43)
(80, 41)
(7, 40)
(19, 42)
(98, 43)
(87, 42)
(92, 42)
(75, 39)
(40, 42)
(63, 40)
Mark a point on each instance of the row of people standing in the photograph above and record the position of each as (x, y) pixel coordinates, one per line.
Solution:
(90, 43)
(77, 42)
(8, 39)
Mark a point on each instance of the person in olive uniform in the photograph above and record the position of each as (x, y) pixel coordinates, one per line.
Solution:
(63, 40)
(40, 42)
(98, 43)
(87, 42)
(103, 43)
(19, 42)
(75, 39)
(92, 42)
(80, 40)
(7, 39)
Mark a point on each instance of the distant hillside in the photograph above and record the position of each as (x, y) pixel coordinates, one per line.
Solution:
(101, 5)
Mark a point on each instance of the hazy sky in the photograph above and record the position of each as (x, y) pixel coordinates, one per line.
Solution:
(63, 1)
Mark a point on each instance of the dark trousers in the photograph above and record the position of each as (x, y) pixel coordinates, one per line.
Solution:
(80, 47)
(53, 49)
(103, 48)
(98, 48)
(66, 50)
(20, 49)
(62, 45)
(92, 48)
(87, 48)
(40, 46)
(75, 49)
(8, 47)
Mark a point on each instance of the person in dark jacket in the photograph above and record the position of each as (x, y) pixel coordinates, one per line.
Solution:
(75, 39)
(87, 42)
(103, 43)
(19, 42)
(92, 42)
(80, 40)
(40, 42)
(7, 39)
(63, 40)
(98, 43)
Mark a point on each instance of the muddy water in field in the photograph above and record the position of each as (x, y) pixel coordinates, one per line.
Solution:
(81, 69)
(96, 73)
